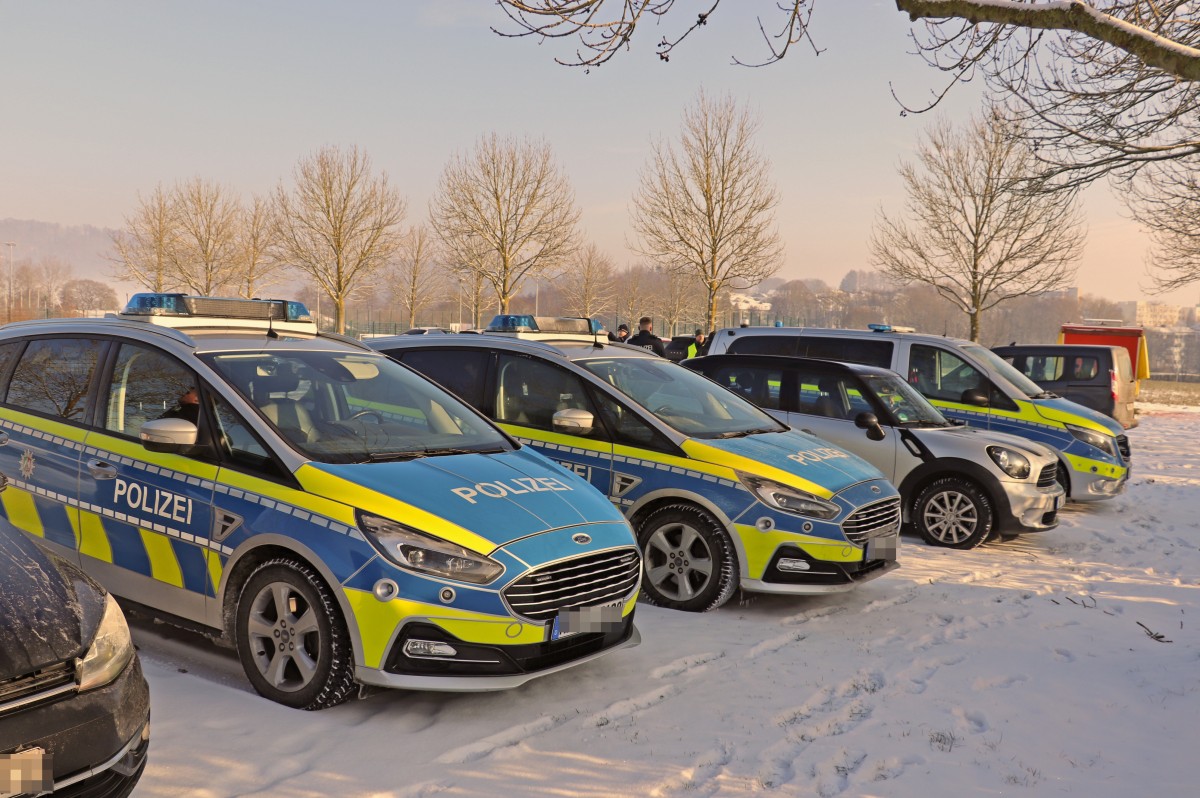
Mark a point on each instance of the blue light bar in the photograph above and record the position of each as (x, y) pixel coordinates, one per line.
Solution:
(879, 327)
(154, 304)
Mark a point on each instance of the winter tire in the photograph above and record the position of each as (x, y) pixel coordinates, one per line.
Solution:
(291, 638)
(689, 560)
(953, 512)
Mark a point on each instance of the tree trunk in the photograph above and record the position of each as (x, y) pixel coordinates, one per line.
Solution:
(339, 314)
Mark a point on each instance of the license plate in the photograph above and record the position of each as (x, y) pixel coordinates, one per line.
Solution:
(1057, 503)
(586, 620)
(882, 548)
(29, 772)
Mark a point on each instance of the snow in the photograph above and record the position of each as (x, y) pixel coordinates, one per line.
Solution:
(1020, 668)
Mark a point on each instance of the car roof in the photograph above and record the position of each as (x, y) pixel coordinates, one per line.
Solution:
(220, 337)
(569, 349)
(1018, 349)
(840, 333)
(786, 360)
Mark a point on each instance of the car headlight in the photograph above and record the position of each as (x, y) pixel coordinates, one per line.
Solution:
(110, 651)
(1011, 462)
(789, 499)
(416, 551)
(1105, 443)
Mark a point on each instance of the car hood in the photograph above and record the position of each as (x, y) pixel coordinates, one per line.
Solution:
(42, 607)
(1068, 412)
(793, 457)
(983, 437)
(481, 501)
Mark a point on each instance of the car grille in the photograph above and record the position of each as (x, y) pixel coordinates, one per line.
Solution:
(587, 581)
(1123, 447)
(873, 520)
(1048, 476)
(34, 688)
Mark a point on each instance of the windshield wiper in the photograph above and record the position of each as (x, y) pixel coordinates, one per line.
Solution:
(745, 432)
(412, 454)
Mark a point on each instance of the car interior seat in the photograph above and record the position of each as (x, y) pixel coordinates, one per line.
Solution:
(829, 403)
(289, 415)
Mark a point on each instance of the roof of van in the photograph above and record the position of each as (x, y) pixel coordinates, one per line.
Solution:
(834, 331)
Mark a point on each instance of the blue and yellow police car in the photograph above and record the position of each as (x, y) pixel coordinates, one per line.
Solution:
(336, 516)
(720, 494)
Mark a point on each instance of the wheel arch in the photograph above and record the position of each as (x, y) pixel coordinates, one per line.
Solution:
(664, 498)
(917, 479)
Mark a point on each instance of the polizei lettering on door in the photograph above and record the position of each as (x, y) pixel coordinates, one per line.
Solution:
(154, 501)
(510, 487)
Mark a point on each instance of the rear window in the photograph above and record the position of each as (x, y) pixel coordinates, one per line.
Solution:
(1041, 368)
(764, 345)
(848, 350)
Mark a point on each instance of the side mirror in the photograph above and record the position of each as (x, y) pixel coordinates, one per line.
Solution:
(870, 423)
(169, 435)
(974, 396)
(573, 421)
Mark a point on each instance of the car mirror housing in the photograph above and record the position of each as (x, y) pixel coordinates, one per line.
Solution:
(170, 435)
(573, 421)
(870, 423)
(974, 396)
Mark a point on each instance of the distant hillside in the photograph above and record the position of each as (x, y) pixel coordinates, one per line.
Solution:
(84, 247)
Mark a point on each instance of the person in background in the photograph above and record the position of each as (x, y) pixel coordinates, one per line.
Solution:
(646, 338)
(696, 348)
(186, 407)
(622, 336)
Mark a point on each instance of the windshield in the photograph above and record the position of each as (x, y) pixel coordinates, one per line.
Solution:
(349, 407)
(683, 399)
(904, 402)
(1002, 367)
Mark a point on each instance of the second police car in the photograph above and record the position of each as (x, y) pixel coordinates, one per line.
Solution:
(339, 518)
(720, 494)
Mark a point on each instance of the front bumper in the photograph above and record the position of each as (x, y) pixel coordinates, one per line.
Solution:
(825, 576)
(97, 741)
(1095, 487)
(483, 668)
(1031, 509)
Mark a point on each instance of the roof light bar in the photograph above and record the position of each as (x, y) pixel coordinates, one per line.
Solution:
(147, 304)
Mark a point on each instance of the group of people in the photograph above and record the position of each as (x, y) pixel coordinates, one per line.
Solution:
(646, 338)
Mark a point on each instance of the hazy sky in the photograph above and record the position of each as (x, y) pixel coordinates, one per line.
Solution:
(102, 100)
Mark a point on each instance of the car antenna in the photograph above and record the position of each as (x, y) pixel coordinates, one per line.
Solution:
(271, 324)
(596, 337)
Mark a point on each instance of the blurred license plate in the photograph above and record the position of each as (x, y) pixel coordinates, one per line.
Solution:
(586, 620)
(882, 548)
(28, 772)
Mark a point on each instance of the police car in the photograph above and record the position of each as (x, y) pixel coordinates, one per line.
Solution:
(721, 495)
(337, 517)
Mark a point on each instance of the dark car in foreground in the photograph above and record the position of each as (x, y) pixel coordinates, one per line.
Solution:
(74, 705)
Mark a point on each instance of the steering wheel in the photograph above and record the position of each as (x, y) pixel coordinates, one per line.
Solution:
(363, 413)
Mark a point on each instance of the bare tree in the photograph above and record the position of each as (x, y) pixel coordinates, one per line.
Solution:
(474, 292)
(143, 249)
(52, 274)
(508, 211)
(592, 286)
(419, 277)
(1166, 201)
(679, 300)
(706, 207)
(340, 224)
(86, 296)
(204, 255)
(1105, 87)
(257, 266)
(635, 295)
(979, 231)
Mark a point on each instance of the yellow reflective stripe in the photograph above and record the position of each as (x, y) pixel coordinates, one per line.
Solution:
(677, 462)
(164, 565)
(758, 468)
(141, 455)
(355, 495)
(290, 496)
(93, 540)
(45, 425)
(1053, 414)
(543, 436)
(760, 547)
(215, 569)
(1087, 465)
(376, 620)
(22, 512)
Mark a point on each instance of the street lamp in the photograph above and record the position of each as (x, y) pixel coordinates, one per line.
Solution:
(10, 245)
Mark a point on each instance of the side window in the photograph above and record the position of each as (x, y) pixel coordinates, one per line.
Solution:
(54, 376)
(849, 350)
(1042, 369)
(940, 374)
(461, 371)
(1084, 369)
(764, 345)
(146, 385)
(529, 392)
(760, 385)
(240, 446)
(829, 395)
(8, 354)
(628, 428)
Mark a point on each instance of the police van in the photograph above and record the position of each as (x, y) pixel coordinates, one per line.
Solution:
(336, 516)
(720, 494)
(968, 383)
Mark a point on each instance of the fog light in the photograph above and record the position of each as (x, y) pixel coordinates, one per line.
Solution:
(787, 564)
(429, 648)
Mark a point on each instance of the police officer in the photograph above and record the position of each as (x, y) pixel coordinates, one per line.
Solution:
(622, 334)
(646, 338)
(696, 348)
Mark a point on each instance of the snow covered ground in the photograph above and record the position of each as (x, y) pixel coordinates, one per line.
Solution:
(1060, 663)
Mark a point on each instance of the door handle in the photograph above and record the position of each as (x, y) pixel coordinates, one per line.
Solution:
(3, 438)
(101, 470)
